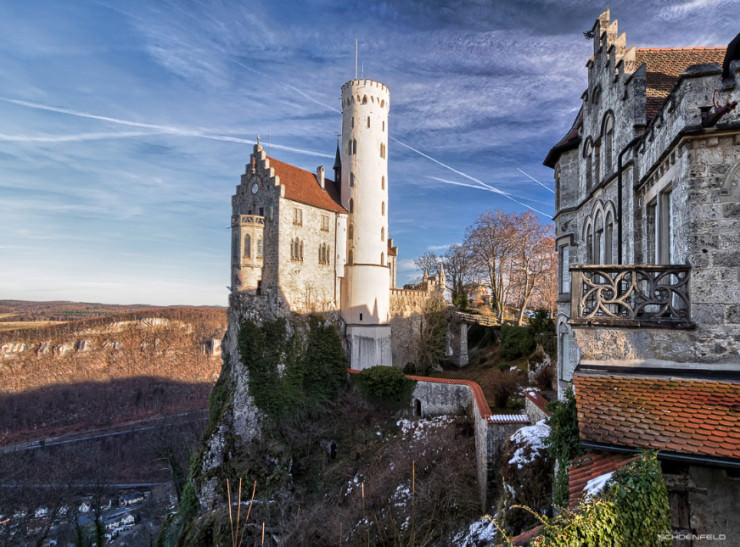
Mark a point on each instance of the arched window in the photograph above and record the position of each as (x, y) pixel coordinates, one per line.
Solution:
(247, 245)
(382, 208)
(351, 206)
(382, 183)
(587, 155)
(382, 258)
(608, 137)
(364, 100)
(382, 234)
(608, 239)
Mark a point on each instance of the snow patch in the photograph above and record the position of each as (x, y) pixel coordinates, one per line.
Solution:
(480, 532)
(596, 485)
(532, 436)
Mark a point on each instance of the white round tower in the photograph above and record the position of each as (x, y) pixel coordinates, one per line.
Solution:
(364, 193)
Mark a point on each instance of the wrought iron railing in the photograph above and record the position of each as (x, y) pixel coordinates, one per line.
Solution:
(631, 295)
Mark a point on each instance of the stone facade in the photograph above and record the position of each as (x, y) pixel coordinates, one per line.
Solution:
(679, 203)
(648, 231)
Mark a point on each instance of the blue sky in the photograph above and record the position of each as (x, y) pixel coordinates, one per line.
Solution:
(126, 125)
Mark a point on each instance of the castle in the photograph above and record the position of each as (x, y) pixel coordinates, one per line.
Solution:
(304, 243)
(647, 215)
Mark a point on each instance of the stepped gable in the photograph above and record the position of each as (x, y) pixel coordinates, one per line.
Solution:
(698, 417)
(664, 66)
(302, 186)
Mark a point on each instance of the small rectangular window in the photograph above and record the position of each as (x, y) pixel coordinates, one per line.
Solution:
(297, 216)
(325, 223)
(382, 150)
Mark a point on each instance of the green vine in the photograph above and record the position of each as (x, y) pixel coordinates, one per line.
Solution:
(563, 443)
(288, 371)
(634, 510)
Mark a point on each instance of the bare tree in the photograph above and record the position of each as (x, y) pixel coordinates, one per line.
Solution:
(514, 257)
(532, 261)
(492, 243)
(459, 272)
(428, 262)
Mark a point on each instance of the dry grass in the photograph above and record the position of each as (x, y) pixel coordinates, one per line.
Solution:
(25, 325)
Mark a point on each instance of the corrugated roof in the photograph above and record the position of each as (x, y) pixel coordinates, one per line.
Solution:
(697, 417)
(303, 186)
(664, 65)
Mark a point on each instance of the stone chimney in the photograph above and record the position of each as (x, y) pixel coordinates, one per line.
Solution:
(320, 176)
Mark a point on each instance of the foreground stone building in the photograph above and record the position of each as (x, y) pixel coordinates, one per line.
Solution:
(648, 239)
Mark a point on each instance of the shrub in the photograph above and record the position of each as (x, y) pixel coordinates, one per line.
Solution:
(388, 386)
(542, 329)
(634, 510)
(500, 385)
(516, 342)
(563, 443)
(432, 336)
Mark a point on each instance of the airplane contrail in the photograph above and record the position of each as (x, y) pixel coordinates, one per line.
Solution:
(535, 180)
(75, 137)
(491, 189)
(157, 129)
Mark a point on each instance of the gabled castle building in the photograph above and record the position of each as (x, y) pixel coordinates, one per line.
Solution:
(648, 230)
(302, 242)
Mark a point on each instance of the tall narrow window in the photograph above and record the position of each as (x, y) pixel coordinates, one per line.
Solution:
(368, 121)
(353, 121)
(382, 150)
(350, 232)
(382, 258)
(587, 155)
(608, 142)
(597, 164)
(324, 223)
(301, 255)
(297, 216)
(259, 247)
(650, 230)
(564, 269)
(349, 257)
(382, 183)
(383, 126)
(351, 179)
(354, 146)
(608, 241)
(235, 245)
(382, 208)
(247, 246)
(665, 228)
(382, 234)
(351, 206)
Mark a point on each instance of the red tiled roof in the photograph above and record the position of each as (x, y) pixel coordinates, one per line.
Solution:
(538, 400)
(699, 417)
(664, 65)
(527, 536)
(582, 469)
(301, 185)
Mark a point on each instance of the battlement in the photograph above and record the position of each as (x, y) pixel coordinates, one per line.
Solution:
(366, 92)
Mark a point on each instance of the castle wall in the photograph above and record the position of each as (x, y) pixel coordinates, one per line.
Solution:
(307, 284)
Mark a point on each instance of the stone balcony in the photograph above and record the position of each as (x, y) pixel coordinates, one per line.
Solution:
(632, 295)
(247, 219)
